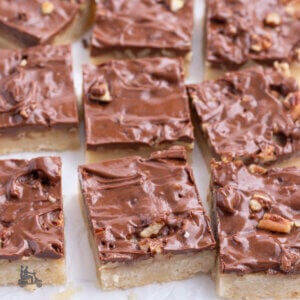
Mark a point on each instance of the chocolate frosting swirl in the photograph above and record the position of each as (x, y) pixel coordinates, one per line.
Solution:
(124, 197)
(148, 103)
(36, 88)
(243, 247)
(30, 223)
(261, 30)
(140, 24)
(252, 114)
(24, 20)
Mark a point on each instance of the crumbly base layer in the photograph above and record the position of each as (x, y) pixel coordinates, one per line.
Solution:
(128, 54)
(161, 268)
(49, 271)
(32, 141)
(74, 31)
(93, 156)
(258, 286)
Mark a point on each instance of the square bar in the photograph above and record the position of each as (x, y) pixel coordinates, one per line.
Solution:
(142, 28)
(257, 222)
(243, 33)
(38, 106)
(27, 23)
(252, 115)
(135, 107)
(31, 222)
(146, 220)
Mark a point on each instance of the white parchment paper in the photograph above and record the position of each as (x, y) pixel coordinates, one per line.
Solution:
(81, 274)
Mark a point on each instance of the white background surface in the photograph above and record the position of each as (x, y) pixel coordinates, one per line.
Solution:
(81, 274)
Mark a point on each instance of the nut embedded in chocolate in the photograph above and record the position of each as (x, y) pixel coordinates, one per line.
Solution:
(238, 32)
(273, 19)
(176, 5)
(275, 223)
(47, 7)
(251, 120)
(99, 91)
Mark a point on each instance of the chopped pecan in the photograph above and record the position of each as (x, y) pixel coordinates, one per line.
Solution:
(23, 63)
(272, 19)
(283, 68)
(260, 200)
(24, 114)
(275, 223)
(176, 5)
(292, 102)
(256, 169)
(260, 43)
(267, 154)
(99, 92)
(152, 245)
(255, 205)
(151, 230)
(51, 199)
(47, 7)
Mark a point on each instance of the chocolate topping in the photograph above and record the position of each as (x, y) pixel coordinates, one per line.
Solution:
(139, 207)
(257, 218)
(31, 22)
(260, 30)
(139, 102)
(251, 114)
(36, 88)
(31, 217)
(140, 24)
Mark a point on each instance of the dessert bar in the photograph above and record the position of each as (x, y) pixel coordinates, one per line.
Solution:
(134, 107)
(142, 28)
(38, 106)
(258, 228)
(146, 220)
(27, 23)
(240, 33)
(31, 222)
(252, 114)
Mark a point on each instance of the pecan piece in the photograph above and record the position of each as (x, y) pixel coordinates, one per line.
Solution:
(283, 68)
(176, 5)
(267, 154)
(99, 92)
(152, 245)
(292, 102)
(151, 230)
(47, 8)
(275, 223)
(272, 19)
(256, 169)
(255, 205)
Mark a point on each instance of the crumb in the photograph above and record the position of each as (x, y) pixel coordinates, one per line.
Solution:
(132, 296)
(66, 294)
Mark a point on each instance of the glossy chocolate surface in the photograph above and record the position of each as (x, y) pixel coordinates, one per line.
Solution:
(261, 30)
(124, 197)
(31, 217)
(36, 88)
(148, 103)
(24, 21)
(251, 114)
(245, 248)
(142, 24)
